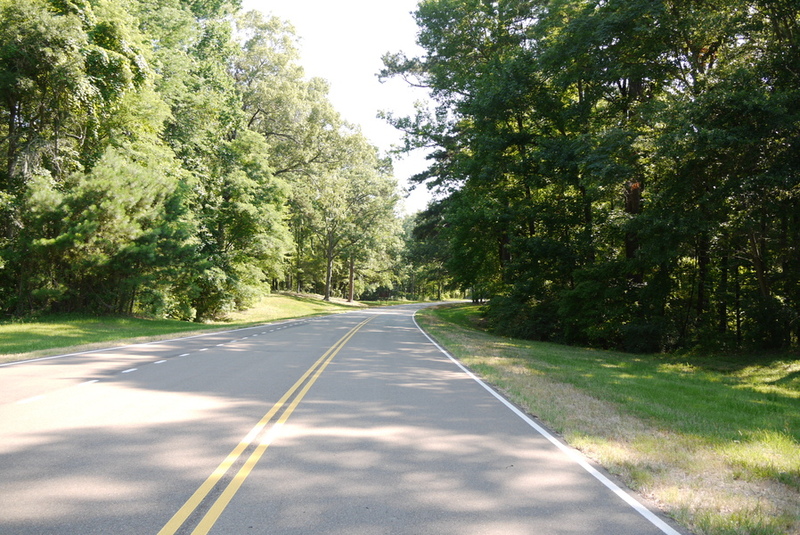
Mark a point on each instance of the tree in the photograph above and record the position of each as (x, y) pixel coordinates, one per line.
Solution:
(350, 207)
(131, 181)
(611, 168)
(243, 235)
(93, 248)
(427, 253)
(64, 69)
(239, 201)
(294, 115)
(169, 157)
(74, 77)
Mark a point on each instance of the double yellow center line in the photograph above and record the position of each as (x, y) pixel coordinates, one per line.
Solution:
(216, 509)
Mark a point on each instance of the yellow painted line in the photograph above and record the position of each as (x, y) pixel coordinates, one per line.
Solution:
(199, 495)
(224, 499)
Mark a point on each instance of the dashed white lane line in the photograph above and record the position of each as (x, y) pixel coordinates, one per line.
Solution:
(29, 400)
(92, 381)
(93, 351)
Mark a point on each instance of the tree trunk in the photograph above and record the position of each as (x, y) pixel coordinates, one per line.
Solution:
(722, 309)
(738, 304)
(329, 253)
(588, 223)
(12, 142)
(702, 273)
(757, 257)
(328, 278)
(633, 206)
(351, 292)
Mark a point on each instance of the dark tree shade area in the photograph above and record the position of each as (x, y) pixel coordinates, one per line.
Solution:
(170, 158)
(616, 173)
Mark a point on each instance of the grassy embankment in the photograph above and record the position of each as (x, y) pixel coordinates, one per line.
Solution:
(50, 335)
(714, 441)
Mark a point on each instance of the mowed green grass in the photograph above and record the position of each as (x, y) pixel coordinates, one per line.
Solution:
(716, 439)
(51, 334)
(68, 330)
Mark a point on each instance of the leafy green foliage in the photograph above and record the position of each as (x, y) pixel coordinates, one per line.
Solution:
(152, 151)
(92, 245)
(618, 174)
(427, 254)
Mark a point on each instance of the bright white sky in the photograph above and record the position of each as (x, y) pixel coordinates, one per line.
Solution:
(343, 41)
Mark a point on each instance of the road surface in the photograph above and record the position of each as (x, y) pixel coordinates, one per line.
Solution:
(348, 424)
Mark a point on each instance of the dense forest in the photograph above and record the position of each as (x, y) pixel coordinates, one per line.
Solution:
(615, 173)
(171, 158)
(609, 173)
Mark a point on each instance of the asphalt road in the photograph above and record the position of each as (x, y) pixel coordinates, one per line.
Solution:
(348, 424)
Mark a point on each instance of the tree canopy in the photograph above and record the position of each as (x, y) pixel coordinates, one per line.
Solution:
(170, 157)
(617, 173)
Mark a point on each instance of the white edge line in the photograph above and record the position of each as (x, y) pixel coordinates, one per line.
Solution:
(571, 452)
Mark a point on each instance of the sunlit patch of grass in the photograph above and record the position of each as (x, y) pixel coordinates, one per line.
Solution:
(71, 330)
(766, 455)
(713, 442)
(750, 521)
(678, 368)
(279, 306)
(781, 378)
(721, 512)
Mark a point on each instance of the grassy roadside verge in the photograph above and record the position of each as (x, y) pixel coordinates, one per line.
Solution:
(52, 335)
(716, 445)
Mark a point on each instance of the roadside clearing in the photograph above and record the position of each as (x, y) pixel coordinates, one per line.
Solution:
(715, 445)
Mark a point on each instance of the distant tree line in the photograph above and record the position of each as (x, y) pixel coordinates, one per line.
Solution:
(169, 157)
(617, 173)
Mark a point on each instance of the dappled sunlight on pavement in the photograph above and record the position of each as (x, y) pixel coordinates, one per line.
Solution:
(388, 437)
